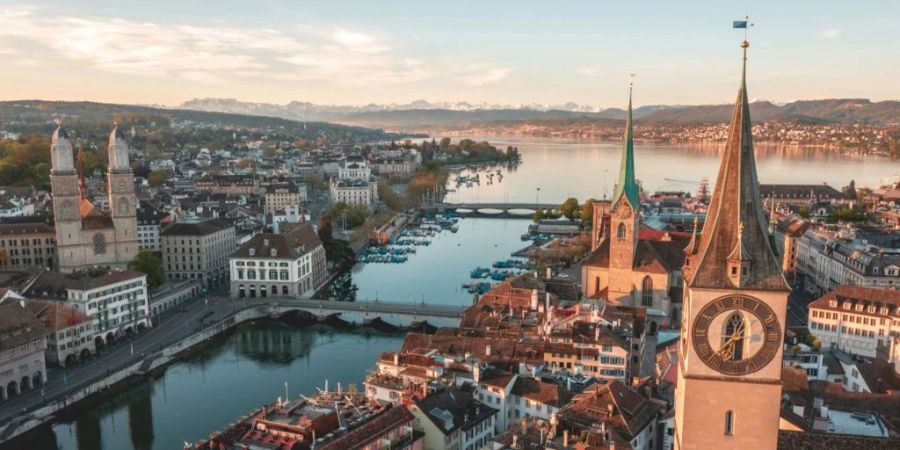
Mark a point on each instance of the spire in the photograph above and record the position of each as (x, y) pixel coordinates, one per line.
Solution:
(118, 150)
(694, 244)
(61, 156)
(735, 250)
(626, 184)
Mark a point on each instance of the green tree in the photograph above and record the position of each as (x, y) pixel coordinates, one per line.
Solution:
(538, 215)
(158, 178)
(569, 208)
(148, 263)
(316, 182)
(349, 214)
(804, 212)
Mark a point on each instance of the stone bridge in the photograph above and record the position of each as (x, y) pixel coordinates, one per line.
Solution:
(397, 314)
(493, 209)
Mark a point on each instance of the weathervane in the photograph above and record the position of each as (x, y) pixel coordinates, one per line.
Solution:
(745, 25)
(631, 80)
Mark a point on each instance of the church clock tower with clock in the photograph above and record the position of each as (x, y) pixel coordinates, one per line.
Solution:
(730, 356)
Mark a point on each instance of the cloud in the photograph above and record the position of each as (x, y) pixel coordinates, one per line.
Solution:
(590, 71)
(212, 53)
(484, 74)
(830, 34)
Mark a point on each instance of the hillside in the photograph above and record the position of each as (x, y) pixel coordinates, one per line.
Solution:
(37, 116)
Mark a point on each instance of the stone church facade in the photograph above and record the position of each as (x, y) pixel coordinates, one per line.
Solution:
(87, 236)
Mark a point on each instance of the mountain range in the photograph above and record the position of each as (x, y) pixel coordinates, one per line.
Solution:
(423, 115)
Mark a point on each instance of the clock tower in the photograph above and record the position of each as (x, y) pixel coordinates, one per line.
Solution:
(730, 357)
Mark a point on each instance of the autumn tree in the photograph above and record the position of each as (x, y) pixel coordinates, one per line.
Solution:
(158, 178)
(569, 208)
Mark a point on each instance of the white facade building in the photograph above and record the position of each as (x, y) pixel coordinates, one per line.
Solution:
(354, 192)
(279, 265)
(23, 339)
(858, 320)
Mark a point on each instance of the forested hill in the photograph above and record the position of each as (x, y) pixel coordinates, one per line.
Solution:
(37, 116)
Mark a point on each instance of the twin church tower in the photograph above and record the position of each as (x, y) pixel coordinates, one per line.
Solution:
(728, 392)
(87, 236)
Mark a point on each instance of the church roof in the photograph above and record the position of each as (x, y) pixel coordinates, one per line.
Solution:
(626, 184)
(653, 254)
(735, 219)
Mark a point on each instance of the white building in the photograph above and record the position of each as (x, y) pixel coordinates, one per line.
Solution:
(280, 197)
(117, 300)
(23, 339)
(858, 320)
(354, 192)
(279, 265)
(354, 168)
(148, 227)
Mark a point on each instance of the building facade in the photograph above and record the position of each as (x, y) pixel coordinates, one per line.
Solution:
(280, 197)
(23, 339)
(279, 265)
(859, 320)
(27, 246)
(117, 301)
(826, 260)
(198, 251)
(71, 335)
(86, 236)
(354, 192)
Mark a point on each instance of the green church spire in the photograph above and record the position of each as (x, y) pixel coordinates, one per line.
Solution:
(626, 184)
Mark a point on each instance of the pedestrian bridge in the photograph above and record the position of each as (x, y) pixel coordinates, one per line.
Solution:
(493, 209)
(397, 314)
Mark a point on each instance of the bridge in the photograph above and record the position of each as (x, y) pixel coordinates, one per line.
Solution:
(493, 209)
(396, 314)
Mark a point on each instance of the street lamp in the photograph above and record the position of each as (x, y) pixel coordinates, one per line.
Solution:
(537, 199)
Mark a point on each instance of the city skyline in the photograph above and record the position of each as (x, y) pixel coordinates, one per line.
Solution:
(351, 53)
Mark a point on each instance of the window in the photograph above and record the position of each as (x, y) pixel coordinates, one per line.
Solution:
(620, 231)
(647, 292)
(733, 338)
(729, 423)
(99, 244)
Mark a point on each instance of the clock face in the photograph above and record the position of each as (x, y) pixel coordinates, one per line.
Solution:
(736, 334)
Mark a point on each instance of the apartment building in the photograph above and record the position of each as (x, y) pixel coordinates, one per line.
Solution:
(198, 251)
(279, 265)
(26, 246)
(859, 320)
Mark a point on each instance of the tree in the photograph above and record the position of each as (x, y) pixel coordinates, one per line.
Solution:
(158, 178)
(538, 215)
(849, 191)
(350, 214)
(148, 263)
(587, 211)
(804, 212)
(569, 208)
(390, 198)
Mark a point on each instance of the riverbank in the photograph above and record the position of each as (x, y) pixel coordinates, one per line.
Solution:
(383, 316)
(213, 384)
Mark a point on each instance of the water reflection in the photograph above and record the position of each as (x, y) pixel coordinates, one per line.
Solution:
(213, 387)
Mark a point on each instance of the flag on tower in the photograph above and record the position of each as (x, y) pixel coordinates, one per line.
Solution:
(740, 24)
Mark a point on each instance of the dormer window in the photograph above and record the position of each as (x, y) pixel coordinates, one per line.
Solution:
(252, 252)
(871, 309)
(859, 307)
(833, 303)
(274, 252)
(884, 310)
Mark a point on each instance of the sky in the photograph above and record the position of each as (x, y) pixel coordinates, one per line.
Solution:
(165, 52)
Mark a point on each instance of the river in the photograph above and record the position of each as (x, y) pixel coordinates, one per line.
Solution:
(249, 367)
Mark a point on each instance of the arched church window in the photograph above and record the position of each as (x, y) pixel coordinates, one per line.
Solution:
(620, 231)
(647, 292)
(729, 423)
(733, 338)
(99, 244)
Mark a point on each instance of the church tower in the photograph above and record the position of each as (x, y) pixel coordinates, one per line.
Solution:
(122, 200)
(66, 200)
(729, 379)
(624, 218)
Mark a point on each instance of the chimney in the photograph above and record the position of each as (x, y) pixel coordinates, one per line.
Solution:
(396, 358)
(547, 302)
(487, 350)
(534, 299)
(597, 332)
(476, 373)
(565, 438)
(549, 273)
